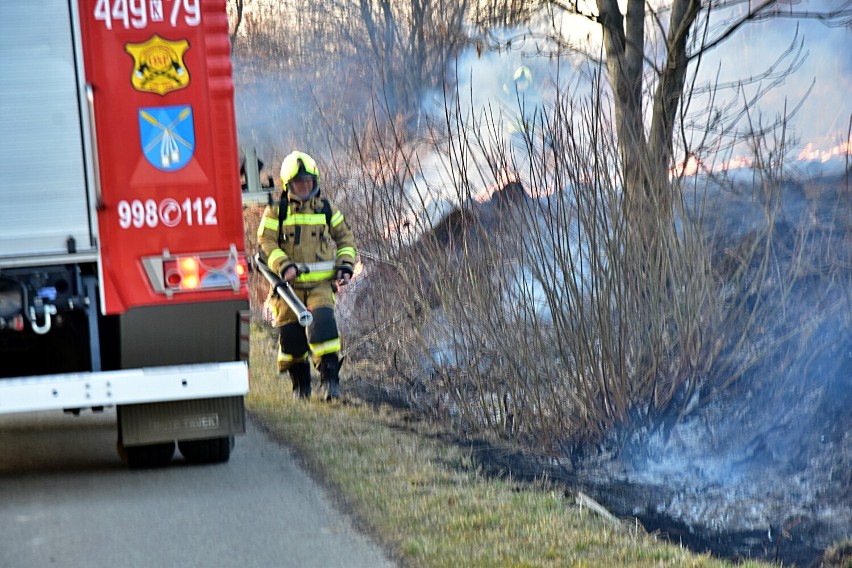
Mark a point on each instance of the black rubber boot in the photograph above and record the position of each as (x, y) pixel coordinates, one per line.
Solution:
(300, 376)
(330, 376)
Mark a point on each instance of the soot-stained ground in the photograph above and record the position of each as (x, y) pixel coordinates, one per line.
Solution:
(765, 469)
(762, 469)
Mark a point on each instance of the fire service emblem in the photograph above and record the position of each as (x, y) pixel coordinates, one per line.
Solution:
(158, 65)
(167, 135)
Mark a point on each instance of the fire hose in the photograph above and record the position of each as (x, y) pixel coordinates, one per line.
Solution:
(285, 291)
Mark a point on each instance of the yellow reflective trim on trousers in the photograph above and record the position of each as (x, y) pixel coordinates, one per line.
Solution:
(304, 219)
(315, 276)
(336, 219)
(330, 346)
(346, 250)
(287, 358)
(275, 255)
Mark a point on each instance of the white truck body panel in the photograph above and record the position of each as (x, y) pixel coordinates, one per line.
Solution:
(44, 200)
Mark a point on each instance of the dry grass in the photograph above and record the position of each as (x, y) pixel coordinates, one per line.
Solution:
(430, 503)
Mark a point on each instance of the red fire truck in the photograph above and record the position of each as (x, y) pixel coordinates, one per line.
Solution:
(122, 253)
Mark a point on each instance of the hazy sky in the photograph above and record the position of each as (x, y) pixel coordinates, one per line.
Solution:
(823, 119)
(270, 110)
(825, 115)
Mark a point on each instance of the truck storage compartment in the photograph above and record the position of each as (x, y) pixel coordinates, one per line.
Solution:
(47, 314)
(45, 207)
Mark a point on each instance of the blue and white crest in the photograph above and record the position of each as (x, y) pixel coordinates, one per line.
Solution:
(167, 135)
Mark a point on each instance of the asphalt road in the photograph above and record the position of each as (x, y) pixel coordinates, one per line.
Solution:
(66, 500)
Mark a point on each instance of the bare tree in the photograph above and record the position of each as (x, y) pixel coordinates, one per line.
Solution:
(504, 12)
(688, 33)
(235, 14)
(412, 42)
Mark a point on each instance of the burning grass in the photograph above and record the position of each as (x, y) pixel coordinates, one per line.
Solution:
(430, 502)
(697, 359)
(696, 362)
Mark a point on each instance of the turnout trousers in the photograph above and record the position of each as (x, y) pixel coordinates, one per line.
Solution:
(295, 343)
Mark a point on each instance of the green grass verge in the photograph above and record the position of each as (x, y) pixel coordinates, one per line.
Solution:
(429, 502)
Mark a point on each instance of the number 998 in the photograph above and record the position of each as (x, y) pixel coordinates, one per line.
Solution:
(137, 214)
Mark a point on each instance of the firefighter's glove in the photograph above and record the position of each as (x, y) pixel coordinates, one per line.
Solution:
(289, 272)
(343, 275)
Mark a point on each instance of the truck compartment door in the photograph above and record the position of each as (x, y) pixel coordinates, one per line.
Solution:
(44, 206)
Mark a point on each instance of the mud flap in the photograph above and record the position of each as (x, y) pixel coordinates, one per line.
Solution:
(199, 419)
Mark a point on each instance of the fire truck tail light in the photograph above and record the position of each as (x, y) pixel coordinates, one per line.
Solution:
(188, 264)
(173, 279)
(189, 282)
(190, 272)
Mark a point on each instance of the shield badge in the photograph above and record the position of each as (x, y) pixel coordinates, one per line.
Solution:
(158, 65)
(167, 135)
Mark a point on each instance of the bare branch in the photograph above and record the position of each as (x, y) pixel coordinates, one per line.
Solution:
(756, 14)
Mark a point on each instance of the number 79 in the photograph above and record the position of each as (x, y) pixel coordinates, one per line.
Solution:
(193, 12)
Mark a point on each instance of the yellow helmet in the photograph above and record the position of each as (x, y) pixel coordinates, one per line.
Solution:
(298, 164)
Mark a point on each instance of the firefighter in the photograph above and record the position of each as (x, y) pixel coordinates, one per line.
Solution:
(295, 238)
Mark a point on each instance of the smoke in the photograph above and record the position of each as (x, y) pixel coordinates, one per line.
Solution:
(776, 453)
(478, 133)
(813, 94)
(280, 109)
(312, 108)
(766, 456)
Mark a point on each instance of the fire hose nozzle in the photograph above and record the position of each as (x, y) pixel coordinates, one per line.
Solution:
(306, 318)
(285, 291)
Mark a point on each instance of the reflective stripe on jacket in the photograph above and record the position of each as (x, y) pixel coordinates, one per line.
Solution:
(307, 241)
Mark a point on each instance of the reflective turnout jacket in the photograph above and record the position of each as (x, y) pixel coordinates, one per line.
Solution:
(314, 237)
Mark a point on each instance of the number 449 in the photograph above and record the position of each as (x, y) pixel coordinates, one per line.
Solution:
(138, 13)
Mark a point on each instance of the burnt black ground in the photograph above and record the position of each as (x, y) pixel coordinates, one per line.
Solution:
(764, 469)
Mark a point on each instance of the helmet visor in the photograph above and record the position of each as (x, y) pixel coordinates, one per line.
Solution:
(303, 175)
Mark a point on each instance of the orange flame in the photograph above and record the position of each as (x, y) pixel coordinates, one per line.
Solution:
(693, 166)
(811, 153)
(504, 178)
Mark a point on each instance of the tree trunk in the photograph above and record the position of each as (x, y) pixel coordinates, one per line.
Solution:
(646, 162)
(238, 20)
(624, 58)
(382, 42)
(667, 98)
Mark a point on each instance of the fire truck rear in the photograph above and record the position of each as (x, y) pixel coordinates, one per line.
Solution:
(122, 251)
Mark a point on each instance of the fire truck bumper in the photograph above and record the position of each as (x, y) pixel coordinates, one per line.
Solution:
(132, 386)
